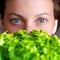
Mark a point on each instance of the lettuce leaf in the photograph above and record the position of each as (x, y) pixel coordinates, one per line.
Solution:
(35, 45)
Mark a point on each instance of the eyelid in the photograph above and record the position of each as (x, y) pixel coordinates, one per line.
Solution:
(15, 18)
(43, 18)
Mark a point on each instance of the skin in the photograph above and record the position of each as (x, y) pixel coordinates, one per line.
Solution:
(29, 15)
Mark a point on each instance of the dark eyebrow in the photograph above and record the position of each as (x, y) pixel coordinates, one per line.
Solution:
(17, 15)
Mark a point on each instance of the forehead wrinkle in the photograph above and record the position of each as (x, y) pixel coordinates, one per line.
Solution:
(29, 7)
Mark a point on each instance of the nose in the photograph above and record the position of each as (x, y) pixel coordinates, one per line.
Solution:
(28, 29)
(29, 26)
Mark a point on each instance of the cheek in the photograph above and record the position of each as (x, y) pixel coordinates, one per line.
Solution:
(48, 27)
(49, 30)
(9, 27)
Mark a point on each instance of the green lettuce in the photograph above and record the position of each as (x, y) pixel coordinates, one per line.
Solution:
(35, 45)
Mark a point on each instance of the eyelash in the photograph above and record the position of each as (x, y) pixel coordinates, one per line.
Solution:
(16, 21)
(41, 21)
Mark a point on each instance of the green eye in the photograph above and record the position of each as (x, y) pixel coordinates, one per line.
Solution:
(16, 21)
(42, 20)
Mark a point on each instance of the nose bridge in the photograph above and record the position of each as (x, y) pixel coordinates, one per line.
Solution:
(29, 25)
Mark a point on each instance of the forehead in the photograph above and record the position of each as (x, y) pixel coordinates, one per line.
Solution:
(30, 1)
(30, 6)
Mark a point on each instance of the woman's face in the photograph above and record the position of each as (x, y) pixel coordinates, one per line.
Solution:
(29, 15)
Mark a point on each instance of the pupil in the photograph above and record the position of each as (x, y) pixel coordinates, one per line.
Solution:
(42, 20)
(16, 20)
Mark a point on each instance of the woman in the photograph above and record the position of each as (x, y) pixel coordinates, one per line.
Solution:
(30, 15)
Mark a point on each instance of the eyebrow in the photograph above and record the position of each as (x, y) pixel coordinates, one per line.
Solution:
(16, 14)
(42, 14)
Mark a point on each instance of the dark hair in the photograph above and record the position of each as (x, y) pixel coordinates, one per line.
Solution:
(2, 7)
(55, 2)
(57, 10)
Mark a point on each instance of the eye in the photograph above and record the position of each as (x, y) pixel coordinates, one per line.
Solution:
(16, 21)
(42, 20)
